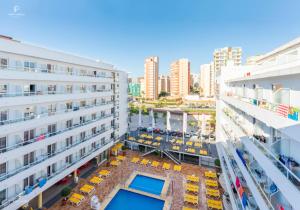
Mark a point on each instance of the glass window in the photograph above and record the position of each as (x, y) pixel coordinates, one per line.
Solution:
(3, 63)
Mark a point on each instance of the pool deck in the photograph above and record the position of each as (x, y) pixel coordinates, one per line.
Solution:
(121, 175)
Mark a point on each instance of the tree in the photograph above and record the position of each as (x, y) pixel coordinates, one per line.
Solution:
(163, 94)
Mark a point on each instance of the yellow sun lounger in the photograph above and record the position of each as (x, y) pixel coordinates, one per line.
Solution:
(177, 168)
(158, 138)
(211, 183)
(191, 199)
(96, 180)
(179, 142)
(131, 138)
(155, 164)
(149, 137)
(189, 143)
(144, 162)
(212, 192)
(78, 196)
(197, 144)
(121, 157)
(203, 152)
(104, 172)
(166, 166)
(148, 142)
(192, 188)
(141, 141)
(176, 148)
(135, 160)
(214, 204)
(74, 201)
(143, 135)
(156, 144)
(210, 174)
(192, 178)
(114, 163)
(191, 150)
(87, 189)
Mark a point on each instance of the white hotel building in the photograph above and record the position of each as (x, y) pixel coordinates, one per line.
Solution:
(258, 130)
(57, 112)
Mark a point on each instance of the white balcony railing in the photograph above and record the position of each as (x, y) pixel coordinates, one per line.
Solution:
(47, 114)
(47, 135)
(44, 157)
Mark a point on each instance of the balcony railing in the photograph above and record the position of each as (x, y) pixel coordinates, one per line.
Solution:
(280, 109)
(40, 93)
(46, 114)
(35, 186)
(47, 135)
(47, 71)
(47, 156)
(272, 157)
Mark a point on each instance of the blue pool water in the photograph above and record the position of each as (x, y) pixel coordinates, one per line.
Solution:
(126, 200)
(147, 184)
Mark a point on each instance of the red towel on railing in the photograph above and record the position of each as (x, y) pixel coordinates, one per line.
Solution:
(283, 110)
(241, 191)
(237, 182)
(41, 137)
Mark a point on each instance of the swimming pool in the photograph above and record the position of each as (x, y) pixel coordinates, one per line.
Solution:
(147, 184)
(126, 200)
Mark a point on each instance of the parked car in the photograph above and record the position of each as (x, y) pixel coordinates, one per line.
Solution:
(156, 130)
(187, 135)
(143, 129)
(150, 129)
(162, 132)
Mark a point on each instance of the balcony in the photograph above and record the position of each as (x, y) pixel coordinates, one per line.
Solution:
(41, 92)
(273, 168)
(42, 137)
(265, 113)
(52, 71)
(47, 156)
(24, 197)
(47, 114)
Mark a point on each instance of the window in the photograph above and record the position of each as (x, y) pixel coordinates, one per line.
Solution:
(51, 149)
(93, 116)
(3, 115)
(69, 88)
(82, 136)
(2, 144)
(69, 141)
(82, 119)
(50, 68)
(94, 131)
(51, 89)
(52, 129)
(2, 195)
(69, 123)
(69, 159)
(29, 181)
(29, 135)
(69, 105)
(69, 70)
(3, 90)
(3, 63)
(103, 141)
(82, 103)
(93, 145)
(29, 66)
(82, 152)
(28, 158)
(2, 168)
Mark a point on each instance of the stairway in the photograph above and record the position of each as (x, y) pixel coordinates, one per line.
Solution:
(169, 155)
(149, 152)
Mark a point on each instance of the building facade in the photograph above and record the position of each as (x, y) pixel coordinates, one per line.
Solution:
(223, 55)
(163, 84)
(207, 80)
(180, 78)
(58, 112)
(135, 89)
(151, 77)
(258, 130)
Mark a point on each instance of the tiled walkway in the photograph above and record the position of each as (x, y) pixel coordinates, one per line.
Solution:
(122, 172)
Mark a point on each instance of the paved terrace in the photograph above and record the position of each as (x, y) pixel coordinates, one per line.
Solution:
(121, 173)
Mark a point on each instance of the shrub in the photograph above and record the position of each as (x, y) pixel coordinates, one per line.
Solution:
(217, 162)
(65, 191)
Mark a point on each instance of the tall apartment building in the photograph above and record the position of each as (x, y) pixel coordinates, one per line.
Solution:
(163, 84)
(180, 78)
(223, 55)
(207, 80)
(258, 130)
(57, 113)
(151, 77)
(195, 80)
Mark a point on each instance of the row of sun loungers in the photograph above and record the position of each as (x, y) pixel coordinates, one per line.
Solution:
(212, 191)
(155, 164)
(192, 186)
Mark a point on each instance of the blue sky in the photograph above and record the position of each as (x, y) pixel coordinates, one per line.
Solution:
(124, 32)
